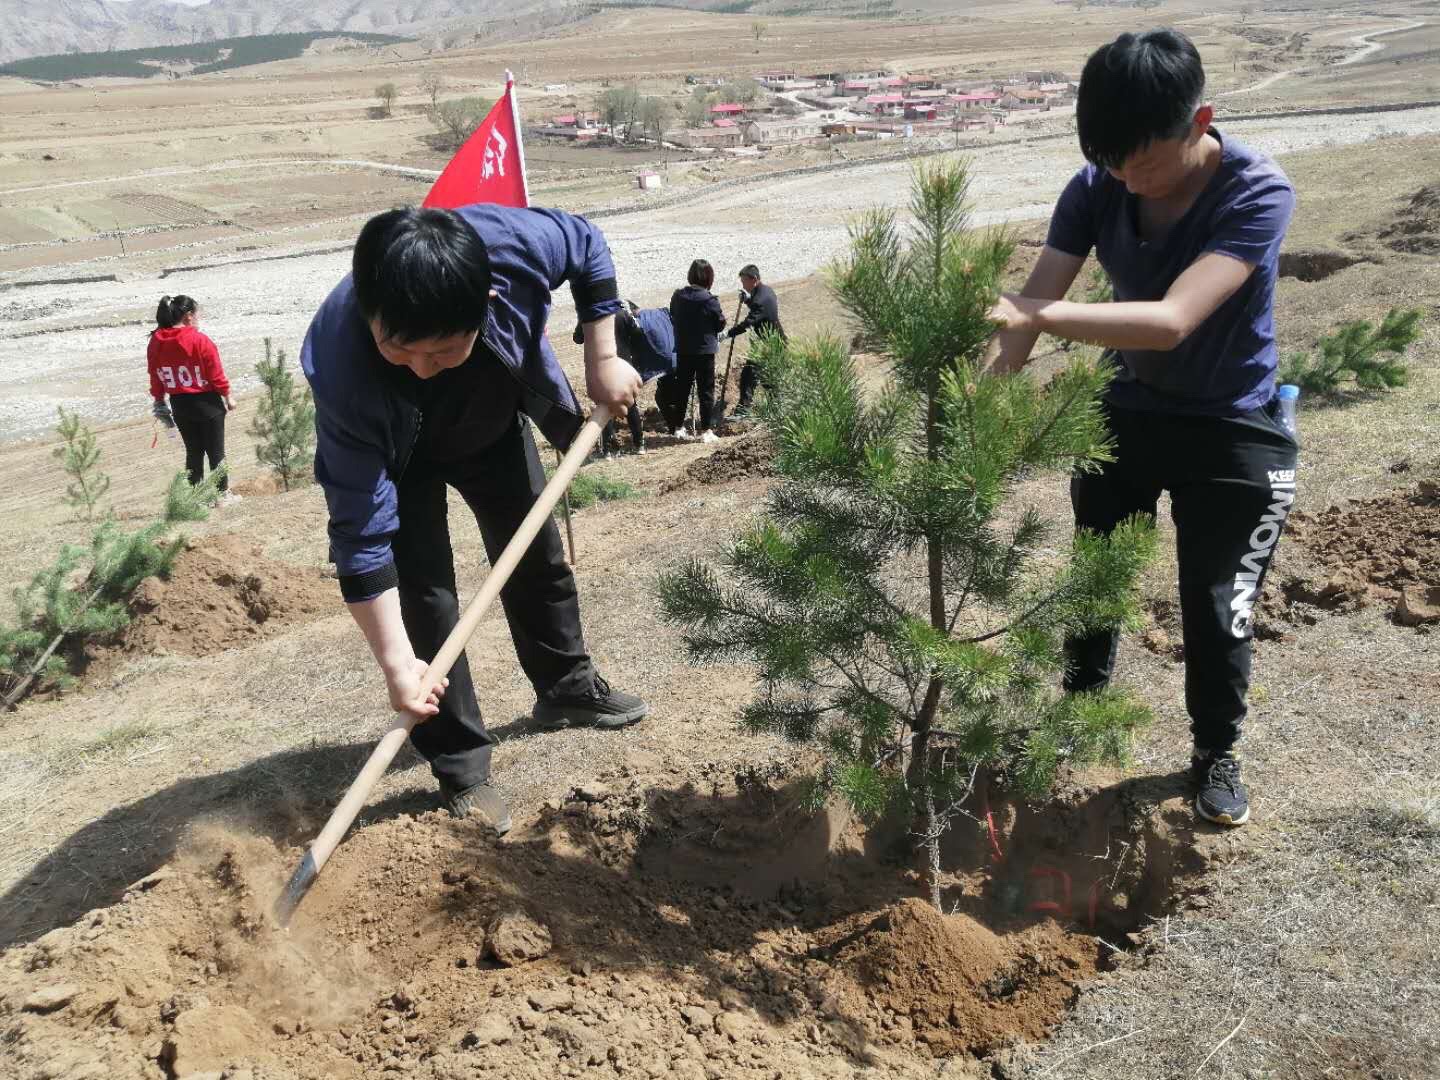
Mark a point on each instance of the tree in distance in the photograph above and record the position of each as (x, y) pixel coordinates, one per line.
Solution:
(387, 93)
(905, 617)
(456, 120)
(432, 84)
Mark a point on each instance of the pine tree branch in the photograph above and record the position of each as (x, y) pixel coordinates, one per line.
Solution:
(1024, 618)
(18, 691)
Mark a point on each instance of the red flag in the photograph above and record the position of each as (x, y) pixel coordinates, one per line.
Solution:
(490, 167)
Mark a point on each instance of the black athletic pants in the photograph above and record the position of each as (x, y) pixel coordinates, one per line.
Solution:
(201, 424)
(541, 602)
(672, 393)
(1231, 482)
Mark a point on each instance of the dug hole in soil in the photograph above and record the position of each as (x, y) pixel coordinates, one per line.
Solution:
(696, 925)
(222, 593)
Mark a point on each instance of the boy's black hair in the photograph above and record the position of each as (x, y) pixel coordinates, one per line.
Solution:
(421, 273)
(750, 270)
(1137, 89)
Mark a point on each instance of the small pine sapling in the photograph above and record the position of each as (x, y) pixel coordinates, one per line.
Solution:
(83, 593)
(284, 423)
(1358, 350)
(80, 457)
(904, 619)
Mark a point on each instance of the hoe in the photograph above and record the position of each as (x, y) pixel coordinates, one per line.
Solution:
(344, 814)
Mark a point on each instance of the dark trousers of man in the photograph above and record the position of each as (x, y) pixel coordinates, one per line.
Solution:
(1231, 482)
(201, 424)
(637, 431)
(499, 483)
(750, 377)
(672, 393)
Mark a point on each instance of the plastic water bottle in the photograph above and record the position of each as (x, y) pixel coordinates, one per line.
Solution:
(1289, 396)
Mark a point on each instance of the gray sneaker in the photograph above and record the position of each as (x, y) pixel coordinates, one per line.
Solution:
(481, 801)
(1221, 797)
(602, 707)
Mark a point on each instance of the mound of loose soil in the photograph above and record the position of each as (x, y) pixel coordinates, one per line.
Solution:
(1416, 229)
(747, 455)
(1384, 550)
(221, 594)
(696, 927)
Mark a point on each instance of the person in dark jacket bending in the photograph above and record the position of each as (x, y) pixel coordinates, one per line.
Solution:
(698, 319)
(646, 340)
(763, 318)
(425, 362)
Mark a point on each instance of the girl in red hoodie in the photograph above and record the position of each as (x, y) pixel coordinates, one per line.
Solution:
(185, 364)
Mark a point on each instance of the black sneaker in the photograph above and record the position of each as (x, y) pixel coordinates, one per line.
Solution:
(481, 801)
(1222, 798)
(602, 707)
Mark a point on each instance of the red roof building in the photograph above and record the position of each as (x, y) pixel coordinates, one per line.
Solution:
(727, 110)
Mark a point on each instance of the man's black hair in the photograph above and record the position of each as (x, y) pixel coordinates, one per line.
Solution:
(750, 270)
(421, 273)
(1136, 90)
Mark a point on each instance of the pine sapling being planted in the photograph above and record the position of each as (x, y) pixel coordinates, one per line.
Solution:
(905, 614)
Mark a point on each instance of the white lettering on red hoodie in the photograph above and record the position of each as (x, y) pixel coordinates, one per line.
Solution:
(184, 361)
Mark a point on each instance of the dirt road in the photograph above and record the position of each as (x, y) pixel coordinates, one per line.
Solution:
(81, 344)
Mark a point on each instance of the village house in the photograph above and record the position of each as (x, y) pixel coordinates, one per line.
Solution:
(707, 138)
(1024, 99)
(885, 104)
(770, 132)
(727, 110)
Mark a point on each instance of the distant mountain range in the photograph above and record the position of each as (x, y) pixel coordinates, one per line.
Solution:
(28, 28)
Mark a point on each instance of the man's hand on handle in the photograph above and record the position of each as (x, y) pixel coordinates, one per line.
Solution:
(380, 621)
(403, 684)
(609, 380)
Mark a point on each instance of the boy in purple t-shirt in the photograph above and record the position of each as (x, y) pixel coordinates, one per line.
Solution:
(1188, 225)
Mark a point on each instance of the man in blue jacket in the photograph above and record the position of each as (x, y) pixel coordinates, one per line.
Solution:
(424, 363)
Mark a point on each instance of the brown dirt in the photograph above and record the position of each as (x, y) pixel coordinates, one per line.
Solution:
(1416, 229)
(1314, 265)
(1384, 550)
(750, 454)
(221, 594)
(702, 926)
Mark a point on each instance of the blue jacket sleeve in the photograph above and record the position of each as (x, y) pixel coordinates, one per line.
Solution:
(364, 514)
(576, 251)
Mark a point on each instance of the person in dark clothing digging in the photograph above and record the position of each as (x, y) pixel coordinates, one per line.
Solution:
(425, 363)
(763, 318)
(1188, 224)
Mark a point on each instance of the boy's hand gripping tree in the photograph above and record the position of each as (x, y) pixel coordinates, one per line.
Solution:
(905, 616)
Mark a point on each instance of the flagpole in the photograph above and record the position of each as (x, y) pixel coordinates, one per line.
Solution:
(519, 135)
